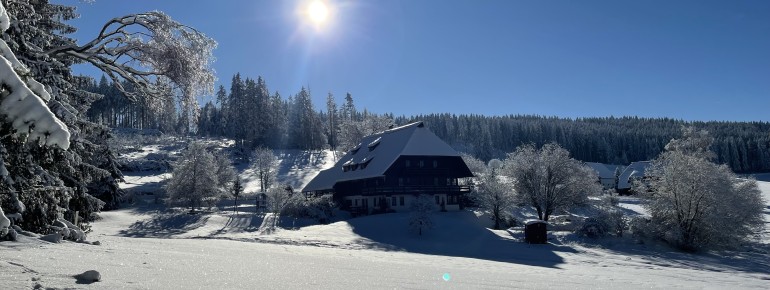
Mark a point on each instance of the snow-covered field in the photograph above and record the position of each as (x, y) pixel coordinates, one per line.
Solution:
(146, 246)
(149, 248)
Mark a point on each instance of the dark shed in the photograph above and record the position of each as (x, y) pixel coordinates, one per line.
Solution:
(536, 232)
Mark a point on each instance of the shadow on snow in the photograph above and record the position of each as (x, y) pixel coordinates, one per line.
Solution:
(456, 234)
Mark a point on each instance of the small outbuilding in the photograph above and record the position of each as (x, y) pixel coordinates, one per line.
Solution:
(536, 232)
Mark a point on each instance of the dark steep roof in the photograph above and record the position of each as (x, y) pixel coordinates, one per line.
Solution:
(378, 151)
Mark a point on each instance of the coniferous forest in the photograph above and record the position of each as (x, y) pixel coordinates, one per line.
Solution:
(249, 113)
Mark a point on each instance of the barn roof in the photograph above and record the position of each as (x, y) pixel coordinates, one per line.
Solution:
(635, 169)
(377, 152)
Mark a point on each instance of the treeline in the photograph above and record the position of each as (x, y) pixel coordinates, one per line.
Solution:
(744, 146)
(253, 116)
(115, 110)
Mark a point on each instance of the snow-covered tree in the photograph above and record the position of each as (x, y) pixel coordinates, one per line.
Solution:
(194, 181)
(138, 48)
(225, 171)
(265, 166)
(305, 126)
(548, 179)
(696, 204)
(277, 198)
(496, 195)
(332, 124)
(474, 164)
(421, 210)
(24, 99)
(54, 182)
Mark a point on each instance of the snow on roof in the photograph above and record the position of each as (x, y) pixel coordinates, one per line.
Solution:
(408, 140)
(635, 169)
(601, 170)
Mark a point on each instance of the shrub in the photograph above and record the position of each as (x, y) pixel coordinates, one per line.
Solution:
(609, 221)
(320, 208)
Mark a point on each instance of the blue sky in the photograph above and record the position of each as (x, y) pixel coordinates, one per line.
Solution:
(692, 60)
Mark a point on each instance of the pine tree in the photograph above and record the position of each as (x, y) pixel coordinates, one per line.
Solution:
(193, 183)
(331, 115)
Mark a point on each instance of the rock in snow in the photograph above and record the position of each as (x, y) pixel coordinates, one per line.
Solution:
(89, 276)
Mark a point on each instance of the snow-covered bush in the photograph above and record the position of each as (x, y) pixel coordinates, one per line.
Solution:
(5, 223)
(278, 198)
(68, 230)
(320, 208)
(421, 210)
(609, 221)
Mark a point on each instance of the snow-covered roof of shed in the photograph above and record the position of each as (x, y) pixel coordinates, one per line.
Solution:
(408, 140)
(635, 169)
(601, 170)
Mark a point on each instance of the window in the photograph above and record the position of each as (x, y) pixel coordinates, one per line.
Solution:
(355, 149)
(408, 163)
(374, 143)
(400, 181)
(435, 181)
(435, 163)
(375, 201)
(401, 199)
(422, 164)
(393, 201)
(355, 202)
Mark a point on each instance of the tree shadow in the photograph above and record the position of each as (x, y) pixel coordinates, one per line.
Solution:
(242, 222)
(165, 224)
(752, 258)
(457, 234)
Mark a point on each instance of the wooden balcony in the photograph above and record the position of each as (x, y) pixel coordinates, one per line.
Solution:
(416, 189)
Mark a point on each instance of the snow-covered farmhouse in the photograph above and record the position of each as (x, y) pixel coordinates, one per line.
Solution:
(388, 170)
(634, 171)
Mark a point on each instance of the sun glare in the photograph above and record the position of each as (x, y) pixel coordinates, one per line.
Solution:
(318, 12)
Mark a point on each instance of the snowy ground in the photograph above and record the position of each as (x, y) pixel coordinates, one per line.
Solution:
(146, 246)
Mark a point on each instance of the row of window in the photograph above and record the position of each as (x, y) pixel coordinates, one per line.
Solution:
(364, 202)
(420, 163)
(399, 201)
(422, 181)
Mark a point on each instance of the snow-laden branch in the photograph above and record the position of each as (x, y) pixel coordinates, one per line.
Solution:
(22, 100)
(140, 47)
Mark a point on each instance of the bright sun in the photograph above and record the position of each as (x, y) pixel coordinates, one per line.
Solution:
(318, 12)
